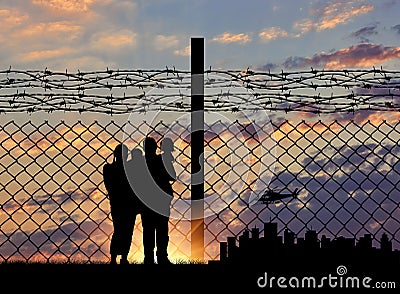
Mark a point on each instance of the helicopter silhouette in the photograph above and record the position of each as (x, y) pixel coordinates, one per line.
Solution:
(271, 196)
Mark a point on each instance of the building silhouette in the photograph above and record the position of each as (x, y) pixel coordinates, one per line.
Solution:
(272, 251)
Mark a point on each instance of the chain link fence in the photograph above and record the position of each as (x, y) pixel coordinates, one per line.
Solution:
(54, 205)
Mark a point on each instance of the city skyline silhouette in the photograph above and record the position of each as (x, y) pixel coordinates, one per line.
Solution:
(309, 252)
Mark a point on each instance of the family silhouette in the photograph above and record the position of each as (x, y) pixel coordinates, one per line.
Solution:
(141, 185)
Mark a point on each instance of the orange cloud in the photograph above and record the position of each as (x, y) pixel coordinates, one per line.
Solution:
(37, 143)
(162, 42)
(291, 130)
(228, 38)
(272, 33)
(304, 26)
(183, 52)
(44, 54)
(123, 38)
(331, 16)
(61, 29)
(70, 6)
(11, 18)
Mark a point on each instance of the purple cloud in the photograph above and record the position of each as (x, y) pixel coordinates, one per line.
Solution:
(364, 33)
(359, 56)
(396, 28)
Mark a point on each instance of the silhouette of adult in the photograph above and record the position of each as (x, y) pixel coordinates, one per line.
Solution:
(155, 217)
(123, 204)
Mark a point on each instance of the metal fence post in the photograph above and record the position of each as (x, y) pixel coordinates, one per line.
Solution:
(197, 148)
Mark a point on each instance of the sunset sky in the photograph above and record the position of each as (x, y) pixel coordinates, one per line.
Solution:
(276, 34)
(263, 35)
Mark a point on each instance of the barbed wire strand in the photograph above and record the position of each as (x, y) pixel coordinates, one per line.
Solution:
(138, 90)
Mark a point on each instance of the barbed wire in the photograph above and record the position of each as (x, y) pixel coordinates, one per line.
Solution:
(115, 91)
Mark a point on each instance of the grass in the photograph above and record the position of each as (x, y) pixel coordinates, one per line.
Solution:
(81, 262)
(183, 261)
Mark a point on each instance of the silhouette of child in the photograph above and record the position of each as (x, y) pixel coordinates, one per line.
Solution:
(167, 147)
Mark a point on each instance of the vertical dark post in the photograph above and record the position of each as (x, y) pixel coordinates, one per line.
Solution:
(197, 148)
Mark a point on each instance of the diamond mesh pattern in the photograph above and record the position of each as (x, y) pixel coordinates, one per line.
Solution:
(54, 206)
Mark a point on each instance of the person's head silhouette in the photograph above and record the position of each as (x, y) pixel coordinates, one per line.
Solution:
(150, 146)
(167, 145)
(120, 153)
(136, 153)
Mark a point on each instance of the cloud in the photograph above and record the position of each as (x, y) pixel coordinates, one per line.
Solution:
(162, 42)
(11, 18)
(364, 33)
(183, 52)
(347, 186)
(69, 6)
(272, 34)
(268, 66)
(396, 28)
(306, 124)
(323, 18)
(45, 54)
(358, 56)
(304, 26)
(114, 39)
(368, 167)
(373, 117)
(332, 15)
(60, 224)
(62, 30)
(228, 38)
